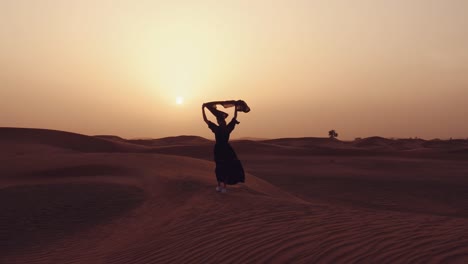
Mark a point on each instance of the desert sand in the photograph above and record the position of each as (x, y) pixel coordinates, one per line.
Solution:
(70, 198)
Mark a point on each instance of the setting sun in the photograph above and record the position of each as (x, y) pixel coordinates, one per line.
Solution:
(179, 100)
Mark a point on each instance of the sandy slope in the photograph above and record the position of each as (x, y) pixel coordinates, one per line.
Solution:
(122, 203)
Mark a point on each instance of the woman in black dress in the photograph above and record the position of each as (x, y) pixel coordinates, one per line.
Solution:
(229, 169)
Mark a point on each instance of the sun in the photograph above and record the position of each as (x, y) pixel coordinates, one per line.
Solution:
(179, 100)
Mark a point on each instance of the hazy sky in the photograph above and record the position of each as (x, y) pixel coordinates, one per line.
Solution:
(365, 67)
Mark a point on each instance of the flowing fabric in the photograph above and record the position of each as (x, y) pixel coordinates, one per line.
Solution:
(240, 105)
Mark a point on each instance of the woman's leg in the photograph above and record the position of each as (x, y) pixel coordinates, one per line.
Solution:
(223, 189)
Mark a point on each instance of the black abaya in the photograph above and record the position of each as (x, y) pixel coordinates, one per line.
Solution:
(228, 167)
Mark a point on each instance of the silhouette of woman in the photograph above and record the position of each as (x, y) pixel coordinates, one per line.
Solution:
(229, 169)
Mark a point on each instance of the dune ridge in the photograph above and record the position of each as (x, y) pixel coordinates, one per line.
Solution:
(194, 146)
(62, 139)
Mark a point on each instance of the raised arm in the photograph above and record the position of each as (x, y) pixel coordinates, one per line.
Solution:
(204, 114)
(233, 122)
(235, 114)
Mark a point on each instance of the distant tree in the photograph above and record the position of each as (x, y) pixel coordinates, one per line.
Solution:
(332, 134)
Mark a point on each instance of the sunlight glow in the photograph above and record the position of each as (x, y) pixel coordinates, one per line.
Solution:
(179, 100)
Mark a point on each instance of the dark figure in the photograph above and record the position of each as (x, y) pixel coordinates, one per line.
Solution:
(229, 169)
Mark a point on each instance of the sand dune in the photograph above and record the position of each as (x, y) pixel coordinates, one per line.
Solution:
(171, 141)
(37, 214)
(61, 139)
(83, 199)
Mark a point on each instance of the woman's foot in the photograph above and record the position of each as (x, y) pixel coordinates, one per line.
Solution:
(223, 190)
(218, 188)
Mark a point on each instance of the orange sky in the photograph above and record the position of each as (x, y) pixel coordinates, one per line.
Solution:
(366, 67)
